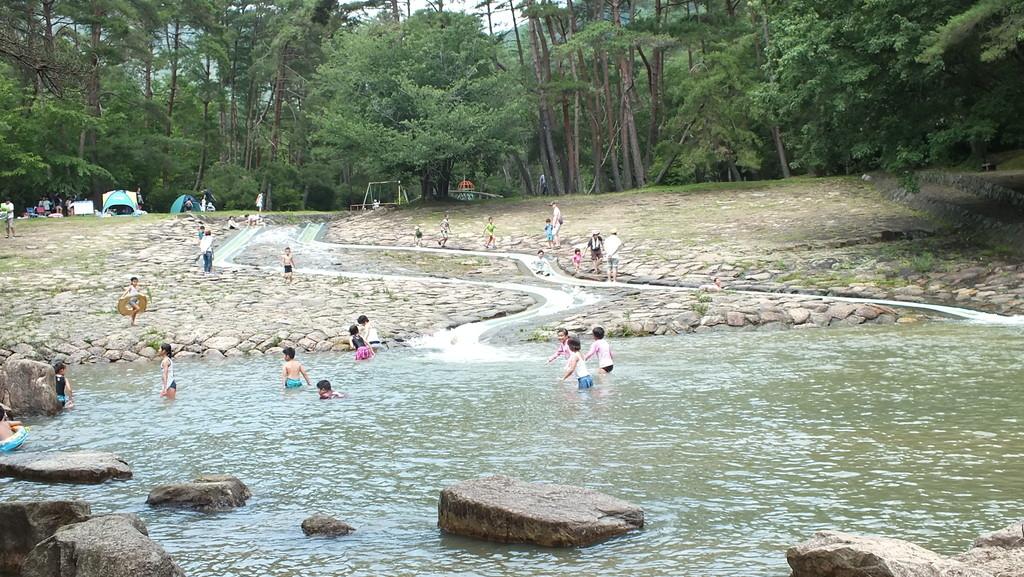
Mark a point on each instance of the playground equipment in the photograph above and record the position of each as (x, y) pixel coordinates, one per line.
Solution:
(466, 190)
(383, 193)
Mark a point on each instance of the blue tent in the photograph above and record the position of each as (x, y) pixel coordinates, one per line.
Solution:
(179, 204)
(115, 200)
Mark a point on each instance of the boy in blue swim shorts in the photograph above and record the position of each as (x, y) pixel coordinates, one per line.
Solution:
(292, 370)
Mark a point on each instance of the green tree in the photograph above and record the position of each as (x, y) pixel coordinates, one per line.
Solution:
(419, 98)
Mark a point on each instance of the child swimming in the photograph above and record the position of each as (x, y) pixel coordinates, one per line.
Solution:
(602, 350)
(363, 351)
(578, 365)
(292, 370)
(64, 393)
(370, 330)
(169, 388)
(323, 388)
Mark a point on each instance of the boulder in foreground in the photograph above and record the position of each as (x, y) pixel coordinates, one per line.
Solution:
(28, 388)
(835, 554)
(326, 526)
(70, 467)
(24, 524)
(1000, 553)
(110, 546)
(508, 510)
(207, 493)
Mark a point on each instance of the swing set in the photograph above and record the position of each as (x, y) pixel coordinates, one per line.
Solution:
(382, 194)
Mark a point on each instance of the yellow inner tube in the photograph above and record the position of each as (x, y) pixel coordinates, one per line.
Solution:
(124, 309)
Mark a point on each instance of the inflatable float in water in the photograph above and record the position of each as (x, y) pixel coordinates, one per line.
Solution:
(14, 441)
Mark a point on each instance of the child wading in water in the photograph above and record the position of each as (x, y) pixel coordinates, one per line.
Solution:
(489, 231)
(602, 350)
(370, 330)
(577, 365)
(132, 292)
(169, 388)
(549, 232)
(288, 260)
(577, 261)
(292, 370)
(363, 351)
(64, 393)
(323, 388)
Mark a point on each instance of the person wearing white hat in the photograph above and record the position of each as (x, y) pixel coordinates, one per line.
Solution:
(612, 245)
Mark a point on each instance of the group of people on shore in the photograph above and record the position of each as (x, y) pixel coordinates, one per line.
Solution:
(601, 249)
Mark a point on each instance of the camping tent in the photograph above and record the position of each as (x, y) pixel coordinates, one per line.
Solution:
(118, 200)
(179, 204)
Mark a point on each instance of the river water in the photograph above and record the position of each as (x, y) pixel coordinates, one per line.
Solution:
(736, 444)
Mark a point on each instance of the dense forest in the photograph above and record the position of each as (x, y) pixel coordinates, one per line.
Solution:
(308, 100)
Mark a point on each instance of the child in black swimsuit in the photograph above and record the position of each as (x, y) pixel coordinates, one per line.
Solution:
(64, 393)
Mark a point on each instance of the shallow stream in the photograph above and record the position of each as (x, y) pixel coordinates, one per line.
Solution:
(736, 444)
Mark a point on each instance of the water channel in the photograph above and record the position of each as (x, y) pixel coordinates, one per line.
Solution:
(736, 444)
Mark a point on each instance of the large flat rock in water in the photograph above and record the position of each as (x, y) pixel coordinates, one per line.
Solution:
(508, 510)
(207, 493)
(71, 467)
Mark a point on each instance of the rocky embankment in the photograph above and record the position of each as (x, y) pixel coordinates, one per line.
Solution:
(66, 310)
(825, 238)
(634, 313)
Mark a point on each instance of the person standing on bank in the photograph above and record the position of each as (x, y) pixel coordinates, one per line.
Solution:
(556, 221)
(612, 245)
(206, 249)
(259, 202)
(543, 184)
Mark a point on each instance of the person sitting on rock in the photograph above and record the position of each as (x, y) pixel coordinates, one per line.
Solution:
(7, 428)
(324, 390)
(714, 287)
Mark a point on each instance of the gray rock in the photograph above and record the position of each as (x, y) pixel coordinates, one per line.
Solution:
(28, 388)
(24, 524)
(70, 467)
(1010, 537)
(508, 510)
(735, 319)
(109, 546)
(835, 554)
(995, 561)
(326, 526)
(207, 493)
(799, 315)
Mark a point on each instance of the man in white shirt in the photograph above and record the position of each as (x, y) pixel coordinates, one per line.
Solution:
(206, 249)
(612, 245)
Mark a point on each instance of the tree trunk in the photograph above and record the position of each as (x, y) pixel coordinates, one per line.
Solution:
(275, 134)
(204, 151)
(515, 28)
(611, 122)
(175, 44)
(524, 172)
(547, 146)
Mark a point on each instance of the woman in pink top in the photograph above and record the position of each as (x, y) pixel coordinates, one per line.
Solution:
(602, 350)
